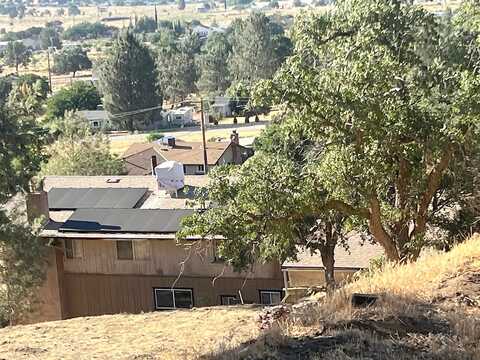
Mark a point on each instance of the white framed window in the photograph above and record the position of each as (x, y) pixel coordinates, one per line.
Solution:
(229, 300)
(201, 168)
(73, 249)
(168, 298)
(270, 297)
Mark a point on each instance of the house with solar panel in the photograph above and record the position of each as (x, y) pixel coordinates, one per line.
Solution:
(113, 249)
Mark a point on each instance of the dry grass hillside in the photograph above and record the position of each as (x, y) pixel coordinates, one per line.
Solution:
(427, 310)
(183, 334)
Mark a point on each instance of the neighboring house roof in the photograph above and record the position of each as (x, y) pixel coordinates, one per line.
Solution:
(137, 148)
(357, 256)
(138, 156)
(191, 153)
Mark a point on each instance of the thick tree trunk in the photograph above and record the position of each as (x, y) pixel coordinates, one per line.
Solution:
(328, 260)
(378, 232)
(327, 252)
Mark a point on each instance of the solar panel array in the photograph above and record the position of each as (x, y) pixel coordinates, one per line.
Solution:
(125, 220)
(98, 198)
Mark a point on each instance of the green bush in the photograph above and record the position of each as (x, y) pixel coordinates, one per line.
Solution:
(154, 137)
(81, 95)
(86, 30)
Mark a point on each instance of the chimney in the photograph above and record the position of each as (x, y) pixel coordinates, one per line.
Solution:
(234, 137)
(234, 140)
(37, 205)
(154, 164)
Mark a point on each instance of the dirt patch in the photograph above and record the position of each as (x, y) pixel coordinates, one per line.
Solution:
(460, 289)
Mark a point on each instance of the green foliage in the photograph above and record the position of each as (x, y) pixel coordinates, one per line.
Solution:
(213, 65)
(5, 88)
(17, 54)
(79, 152)
(50, 37)
(73, 10)
(145, 25)
(394, 140)
(249, 63)
(81, 95)
(127, 78)
(40, 83)
(154, 137)
(383, 107)
(22, 267)
(21, 253)
(31, 32)
(86, 30)
(26, 99)
(21, 149)
(32, 79)
(71, 59)
(177, 72)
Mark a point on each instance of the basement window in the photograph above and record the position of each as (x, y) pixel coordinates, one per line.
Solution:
(228, 300)
(167, 298)
(270, 297)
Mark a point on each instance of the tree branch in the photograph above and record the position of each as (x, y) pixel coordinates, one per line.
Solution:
(433, 183)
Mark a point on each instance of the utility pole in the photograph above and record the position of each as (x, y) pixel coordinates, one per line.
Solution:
(202, 126)
(49, 70)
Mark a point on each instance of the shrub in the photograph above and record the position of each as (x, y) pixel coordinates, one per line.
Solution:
(86, 30)
(154, 137)
(79, 96)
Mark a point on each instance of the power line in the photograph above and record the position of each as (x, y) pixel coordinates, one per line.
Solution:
(144, 110)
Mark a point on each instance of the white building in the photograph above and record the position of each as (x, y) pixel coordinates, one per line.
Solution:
(98, 119)
(221, 106)
(180, 116)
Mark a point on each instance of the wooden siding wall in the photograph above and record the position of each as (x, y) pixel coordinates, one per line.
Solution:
(95, 294)
(158, 257)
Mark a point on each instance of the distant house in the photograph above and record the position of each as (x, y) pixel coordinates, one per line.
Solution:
(203, 9)
(221, 106)
(180, 116)
(3, 45)
(98, 119)
(32, 43)
(138, 157)
(308, 270)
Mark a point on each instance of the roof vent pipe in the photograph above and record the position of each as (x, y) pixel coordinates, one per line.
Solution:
(154, 164)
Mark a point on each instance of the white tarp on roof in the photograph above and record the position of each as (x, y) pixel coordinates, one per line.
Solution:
(170, 176)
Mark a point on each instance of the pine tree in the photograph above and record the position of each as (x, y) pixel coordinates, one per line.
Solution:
(127, 79)
(213, 65)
